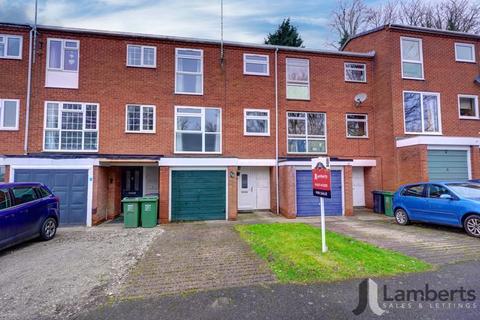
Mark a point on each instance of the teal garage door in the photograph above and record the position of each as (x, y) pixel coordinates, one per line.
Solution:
(447, 165)
(198, 195)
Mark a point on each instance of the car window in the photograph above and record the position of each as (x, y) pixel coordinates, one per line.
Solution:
(414, 191)
(42, 192)
(5, 201)
(23, 195)
(435, 191)
(466, 190)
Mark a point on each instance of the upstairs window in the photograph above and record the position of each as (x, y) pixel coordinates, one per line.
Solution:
(10, 47)
(9, 114)
(357, 126)
(63, 55)
(255, 64)
(197, 130)
(71, 126)
(307, 132)
(422, 112)
(355, 72)
(140, 118)
(256, 122)
(298, 79)
(189, 71)
(464, 52)
(468, 106)
(412, 58)
(141, 56)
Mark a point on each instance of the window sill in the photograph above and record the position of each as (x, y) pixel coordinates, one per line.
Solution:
(466, 61)
(71, 151)
(256, 74)
(309, 153)
(366, 137)
(11, 58)
(424, 133)
(141, 67)
(196, 152)
(189, 93)
(141, 132)
(298, 99)
(246, 134)
(469, 118)
(9, 129)
(355, 81)
(417, 79)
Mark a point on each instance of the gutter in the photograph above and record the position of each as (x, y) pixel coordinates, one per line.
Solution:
(32, 38)
(277, 191)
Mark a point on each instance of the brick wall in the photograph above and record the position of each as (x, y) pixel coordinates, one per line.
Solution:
(475, 159)
(348, 190)
(287, 191)
(100, 195)
(232, 193)
(412, 164)
(164, 190)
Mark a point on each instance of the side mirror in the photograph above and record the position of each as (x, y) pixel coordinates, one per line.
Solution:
(446, 196)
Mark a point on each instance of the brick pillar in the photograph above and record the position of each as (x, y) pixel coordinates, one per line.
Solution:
(232, 193)
(164, 191)
(273, 190)
(6, 178)
(348, 190)
(475, 159)
(287, 185)
(95, 218)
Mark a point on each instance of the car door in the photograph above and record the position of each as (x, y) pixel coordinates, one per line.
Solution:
(29, 209)
(441, 210)
(7, 217)
(415, 201)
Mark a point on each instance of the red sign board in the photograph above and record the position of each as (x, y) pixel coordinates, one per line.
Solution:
(321, 181)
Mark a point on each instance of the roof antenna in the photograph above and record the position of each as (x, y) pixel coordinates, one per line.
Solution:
(221, 34)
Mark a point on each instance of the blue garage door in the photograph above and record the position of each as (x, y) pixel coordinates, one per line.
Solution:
(447, 165)
(308, 204)
(69, 185)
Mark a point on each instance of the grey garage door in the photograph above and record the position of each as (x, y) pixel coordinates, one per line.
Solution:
(447, 165)
(70, 186)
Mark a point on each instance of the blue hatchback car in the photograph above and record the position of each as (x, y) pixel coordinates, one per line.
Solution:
(448, 203)
(27, 211)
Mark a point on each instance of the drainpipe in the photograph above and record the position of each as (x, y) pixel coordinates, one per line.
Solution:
(29, 87)
(277, 191)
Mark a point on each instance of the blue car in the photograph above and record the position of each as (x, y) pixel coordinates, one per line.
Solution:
(454, 204)
(27, 211)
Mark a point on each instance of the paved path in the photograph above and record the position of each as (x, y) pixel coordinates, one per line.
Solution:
(318, 301)
(196, 256)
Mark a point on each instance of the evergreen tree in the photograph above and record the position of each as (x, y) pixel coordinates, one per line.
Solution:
(286, 35)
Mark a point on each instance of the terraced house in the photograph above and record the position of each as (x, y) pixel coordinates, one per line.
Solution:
(216, 129)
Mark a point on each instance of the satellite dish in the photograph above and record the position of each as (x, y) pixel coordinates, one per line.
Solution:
(360, 98)
(477, 80)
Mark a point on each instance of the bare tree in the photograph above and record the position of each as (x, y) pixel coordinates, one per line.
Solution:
(459, 15)
(382, 14)
(348, 18)
(414, 12)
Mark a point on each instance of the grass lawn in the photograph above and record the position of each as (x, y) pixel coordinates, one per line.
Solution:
(294, 253)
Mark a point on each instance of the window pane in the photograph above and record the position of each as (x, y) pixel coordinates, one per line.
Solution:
(257, 113)
(256, 59)
(410, 50)
(51, 140)
(256, 68)
(355, 74)
(212, 142)
(134, 55)
(189, 123)
(72, 120)
(187, 52)
(317, 146)
(430, 113)
(413, 113)
(296, 126)
(71, 60)
(189, 142)
(297, 145)
(52, 115)
(133, 118)
(71, 140)
(13, 47)
(297, 73)
(212, 120)
(356, 116)
(415, 191)
(24, 195)
(2, 49)
(4, 199)
(90, 140)
(435, 191)
(244, 181)
(257, 126)
(148, 119)
(412, 70)
(91, 117)
(464, 52)
(71, 44)
(356, 129)
(10, 114)
(189, 110)
(316, 124)
(467, 107)
(149, 56)
(189, 65)
(55, 53)
(298, 92)
(189, 83)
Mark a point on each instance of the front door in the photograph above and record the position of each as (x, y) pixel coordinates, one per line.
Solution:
(358, 183)
(132, 182)
(247, 196)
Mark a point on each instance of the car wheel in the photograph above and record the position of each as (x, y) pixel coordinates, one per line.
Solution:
(401, 217)
(472, 226)
(49, 228)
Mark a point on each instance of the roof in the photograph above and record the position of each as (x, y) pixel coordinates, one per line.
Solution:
(414, 29)
(370, 54)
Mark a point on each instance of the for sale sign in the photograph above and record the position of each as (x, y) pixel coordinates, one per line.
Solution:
(321, 178)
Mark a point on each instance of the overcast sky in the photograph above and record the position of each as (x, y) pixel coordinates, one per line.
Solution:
(245, 20)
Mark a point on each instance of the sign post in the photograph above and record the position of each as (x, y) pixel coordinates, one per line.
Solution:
(321, 182)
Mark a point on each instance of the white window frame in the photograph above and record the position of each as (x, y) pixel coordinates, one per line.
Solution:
(142, 106)
(59, 128)
(142, 64)
(477, 110)
(423, 132)
(5, 42)
(472, 46)
(177, 72)
(202, 131)
(2, 104)
(420, 44)
(297, 83)
(62, 55)
(245, 57)
(247, 117)
(357, 120)
(306, 134)
(364, 69)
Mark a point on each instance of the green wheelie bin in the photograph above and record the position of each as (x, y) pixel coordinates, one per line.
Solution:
(131, 212)
(149, 209)
(388, 200)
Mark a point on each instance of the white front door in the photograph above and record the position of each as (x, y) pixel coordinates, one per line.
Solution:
(254, 188)
(358, 183)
